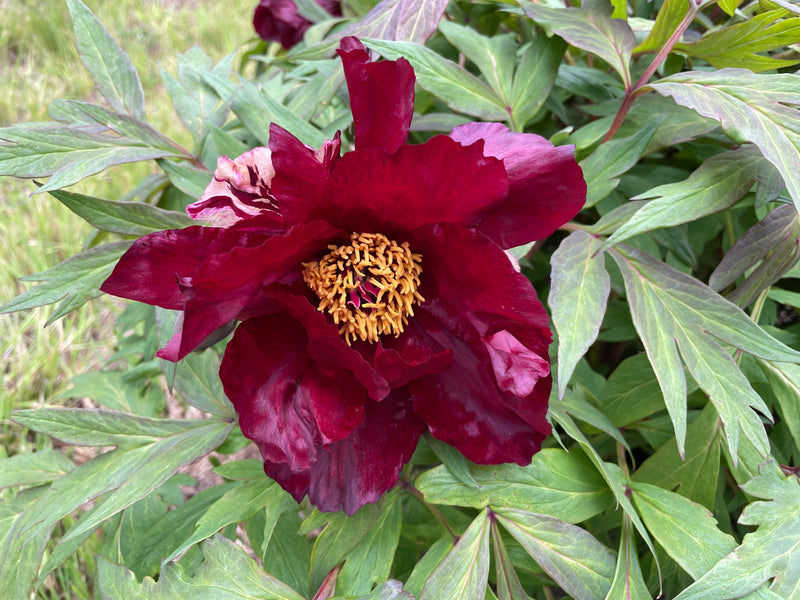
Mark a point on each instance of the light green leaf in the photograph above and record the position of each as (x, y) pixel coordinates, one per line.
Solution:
(602, 168)
(578, 297)
(227, 573)
(453, 460)
(198, 382)
(287, 555)
(729, 6)
(750, 107)
(687, 531)
(628, 583)
(631, 392)
(784, 378)
(592, 30)
(39, 467)
(715, 186)
(456, 87)
(558, 483)
(464, 572)
(71, 282)
(127, 218)
(423, 569)
(737, 45)
(111, 389)
(669, 17)
(508, 584)
(190, 180)
(535, 76)
(573, 557)
(109, 66)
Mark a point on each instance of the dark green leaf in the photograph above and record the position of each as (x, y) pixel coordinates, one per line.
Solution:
(558, 483)
(455, 86)
(631, 392)
(534, 78)
(464, 572)
(592, 30)
(34, 469)
(71, 282)
(109, 66)
(750, 107)
(572, 556)
(127, 218)
(578, 297)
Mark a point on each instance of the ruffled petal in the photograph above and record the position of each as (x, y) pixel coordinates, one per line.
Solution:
(279, 21)
(358, 469)
(287, 403)
(408, 357)
(546, 185)
(438, 181)
(381, 97)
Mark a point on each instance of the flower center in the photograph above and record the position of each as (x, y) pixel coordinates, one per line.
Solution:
(369, 287)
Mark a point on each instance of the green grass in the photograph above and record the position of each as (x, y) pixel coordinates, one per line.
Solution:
(38, 64)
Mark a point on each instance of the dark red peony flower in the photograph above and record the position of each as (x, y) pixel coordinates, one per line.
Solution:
(375, 297)
(279, 20)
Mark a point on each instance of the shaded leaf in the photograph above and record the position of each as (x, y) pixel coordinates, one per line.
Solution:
(71, 282)
(573, 557)
(197, 381)
(110, 68)
(750, 107)
(578, 297)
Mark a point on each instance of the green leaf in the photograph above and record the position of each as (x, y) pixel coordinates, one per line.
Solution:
(750, 107)
(198, 382)
(631, 392)
(592, 30)
(430, 560)
(669, 17)
(238, 504)
(67, 154)
(668, 306)
(558, 483)
(464, 572)
(535, 76)
(126, 218)
(71, 282)
(287, 556)
(190, 180)
(100, 427)
(371, 561)
(784, 378)
(628, 583)
(225, 573)
(453, 460)
(39, 467)
(729, 6)
(494, 56)
(113, 390)
(227, 145)
(714, 187)
(573, 557)
(737, 45)
(109, 66)
(508, 584)
(773, 239)
(694, 475)
(456, 87)
(687, 531)
(602, 168)
(578, 297)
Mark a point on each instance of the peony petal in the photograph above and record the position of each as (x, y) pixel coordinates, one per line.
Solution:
(517, 369)
(437, 181)
(381, 97)
(359, 468)
(279, 21)
(287, 403)
(410, 356)
(151, 268)
(546, 185)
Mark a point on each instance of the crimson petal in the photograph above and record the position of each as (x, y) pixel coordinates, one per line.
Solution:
(381, 97)
(546, 185)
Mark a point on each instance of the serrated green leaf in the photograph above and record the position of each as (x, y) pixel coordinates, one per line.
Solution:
(687, 531)
(628, 583)
(737, 45)
(494, 56)
(71, 282)
(694, 475)
(39, 467)
(715, 186)
(534, 77)
(67, 154)
(126, 218)
(110, 68)
(558, 483)
(197, 381)
(602, 168)
(464, 572)
(750, 107)
(456, 87)
(226, 573)
(573, 557)
(100, 427)
(578, 297)
(592, 30)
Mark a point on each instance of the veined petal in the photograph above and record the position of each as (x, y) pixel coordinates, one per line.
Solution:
(546, 185)
(381, 97)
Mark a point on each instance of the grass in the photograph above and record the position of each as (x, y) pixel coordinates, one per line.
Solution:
(38, 64)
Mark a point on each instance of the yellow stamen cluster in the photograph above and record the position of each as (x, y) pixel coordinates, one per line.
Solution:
(369, 287)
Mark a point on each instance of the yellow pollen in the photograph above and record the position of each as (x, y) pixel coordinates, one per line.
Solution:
(368, 287)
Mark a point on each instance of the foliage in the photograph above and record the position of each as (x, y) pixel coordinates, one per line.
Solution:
(674, 297)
